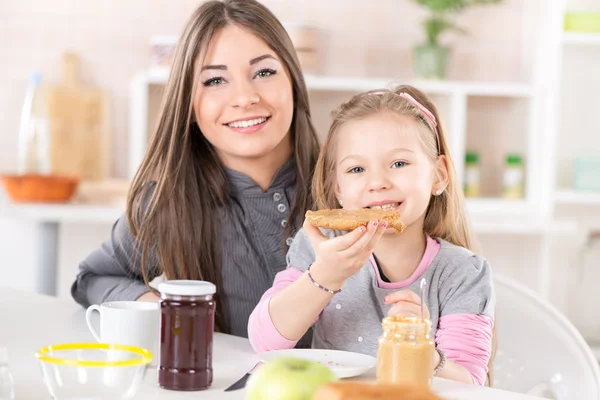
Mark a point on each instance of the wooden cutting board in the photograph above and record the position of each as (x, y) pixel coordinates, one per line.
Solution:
(79, 119)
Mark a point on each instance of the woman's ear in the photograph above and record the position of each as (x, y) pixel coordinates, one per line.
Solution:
(441, 175)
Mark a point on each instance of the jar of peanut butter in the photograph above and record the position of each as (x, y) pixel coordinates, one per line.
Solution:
(405, 352)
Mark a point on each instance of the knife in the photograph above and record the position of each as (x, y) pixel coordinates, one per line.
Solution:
(242, 381)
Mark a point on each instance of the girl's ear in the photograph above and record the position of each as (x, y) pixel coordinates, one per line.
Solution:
(337, 193)
(441, 175)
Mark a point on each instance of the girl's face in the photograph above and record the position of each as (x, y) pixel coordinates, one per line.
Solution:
(244, 102)
(380, 162)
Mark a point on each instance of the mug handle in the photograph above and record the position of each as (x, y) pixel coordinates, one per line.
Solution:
(88, 319)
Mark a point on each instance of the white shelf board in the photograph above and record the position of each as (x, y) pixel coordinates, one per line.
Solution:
(581, 38)
(522, 226)
(574, 197)
(493, 206)
(63, 213)
(493, 89)
(160, 75)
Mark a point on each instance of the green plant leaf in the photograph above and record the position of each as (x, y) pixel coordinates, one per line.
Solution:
(440, 12)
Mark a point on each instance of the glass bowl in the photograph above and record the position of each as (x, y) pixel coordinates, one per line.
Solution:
(93, 371)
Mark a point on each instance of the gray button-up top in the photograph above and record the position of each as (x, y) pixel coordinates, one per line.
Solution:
(252, 250)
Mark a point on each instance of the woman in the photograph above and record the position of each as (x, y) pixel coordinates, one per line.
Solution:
(226, 178)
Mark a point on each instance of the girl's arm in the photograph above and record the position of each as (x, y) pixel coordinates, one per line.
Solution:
(262, 332)
(466, 340)
(305, 299)
(336, 260)
(294, 303)
(465, 328)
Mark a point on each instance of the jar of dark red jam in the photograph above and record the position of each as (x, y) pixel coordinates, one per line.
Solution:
(187, 320)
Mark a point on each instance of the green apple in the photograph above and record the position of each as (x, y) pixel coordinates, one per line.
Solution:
(287, 378)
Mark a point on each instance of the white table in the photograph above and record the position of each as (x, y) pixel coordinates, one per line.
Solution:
(31, 321)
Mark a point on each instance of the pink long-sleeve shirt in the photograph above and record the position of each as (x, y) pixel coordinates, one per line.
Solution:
(459, 294)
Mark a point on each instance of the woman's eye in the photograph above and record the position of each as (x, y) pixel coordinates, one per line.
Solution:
(356, 170)
(213, 82)
(398, 164)
(263, 73)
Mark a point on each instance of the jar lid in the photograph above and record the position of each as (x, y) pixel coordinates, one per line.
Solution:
(187, 288)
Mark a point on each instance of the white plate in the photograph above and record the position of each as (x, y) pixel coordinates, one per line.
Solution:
(343, 363)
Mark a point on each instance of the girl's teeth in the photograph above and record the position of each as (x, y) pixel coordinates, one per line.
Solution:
(246, 124)
(390, 206)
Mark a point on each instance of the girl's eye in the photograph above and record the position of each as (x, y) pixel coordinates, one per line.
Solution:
(213, 81)
(398, 164)
(263, 73)
(355, 170)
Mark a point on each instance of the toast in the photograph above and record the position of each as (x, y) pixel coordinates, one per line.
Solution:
(351, 390)
(348, 220)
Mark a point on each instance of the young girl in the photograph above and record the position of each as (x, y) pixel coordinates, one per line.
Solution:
(227, 175)
(385, 149)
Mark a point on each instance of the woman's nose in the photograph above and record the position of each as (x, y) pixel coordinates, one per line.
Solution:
(245, 95)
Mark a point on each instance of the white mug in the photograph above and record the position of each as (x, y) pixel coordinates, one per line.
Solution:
(132, 323)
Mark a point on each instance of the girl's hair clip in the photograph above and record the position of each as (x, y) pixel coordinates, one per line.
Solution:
(420, 106)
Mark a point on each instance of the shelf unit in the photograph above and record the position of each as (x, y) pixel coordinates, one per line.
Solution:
(572, 82)
(573, 197)
(581, 39)
(456, 92)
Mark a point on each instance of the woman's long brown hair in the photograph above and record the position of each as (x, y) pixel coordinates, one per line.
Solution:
(174, 203)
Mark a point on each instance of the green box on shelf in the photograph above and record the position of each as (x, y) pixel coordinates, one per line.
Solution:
(582, 22)
(586, 174)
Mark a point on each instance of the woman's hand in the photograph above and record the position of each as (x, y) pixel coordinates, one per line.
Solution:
(339, 258)
(406, 303)
(148, 297)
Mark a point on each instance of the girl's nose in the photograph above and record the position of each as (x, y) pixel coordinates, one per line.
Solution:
(378, 181)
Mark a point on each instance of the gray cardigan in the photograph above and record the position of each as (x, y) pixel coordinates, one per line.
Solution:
(252, 250)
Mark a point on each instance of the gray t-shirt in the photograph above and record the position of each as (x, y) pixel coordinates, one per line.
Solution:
(458, 282)
(252, 250)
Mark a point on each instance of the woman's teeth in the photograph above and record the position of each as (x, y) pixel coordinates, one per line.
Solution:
(390, 206)
(246, 124)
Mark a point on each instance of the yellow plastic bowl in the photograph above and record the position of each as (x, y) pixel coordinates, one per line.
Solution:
(93, 371)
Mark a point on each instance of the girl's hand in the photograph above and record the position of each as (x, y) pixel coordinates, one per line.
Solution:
(406, 303)
(339, 258)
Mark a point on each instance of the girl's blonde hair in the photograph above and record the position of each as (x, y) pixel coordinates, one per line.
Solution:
(445, 217)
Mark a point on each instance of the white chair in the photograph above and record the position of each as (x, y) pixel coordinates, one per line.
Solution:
(539, 351)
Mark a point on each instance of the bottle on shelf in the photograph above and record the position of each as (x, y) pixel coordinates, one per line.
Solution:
(7, 386)
(472, 175)
(34, 141)
(513, 186)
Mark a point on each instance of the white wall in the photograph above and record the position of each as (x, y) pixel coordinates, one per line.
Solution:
(111, 36)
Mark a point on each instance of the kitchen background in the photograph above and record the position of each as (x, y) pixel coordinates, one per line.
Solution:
(516, 83)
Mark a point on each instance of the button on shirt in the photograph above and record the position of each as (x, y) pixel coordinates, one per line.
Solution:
(253, 250)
